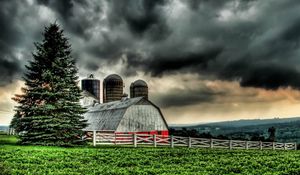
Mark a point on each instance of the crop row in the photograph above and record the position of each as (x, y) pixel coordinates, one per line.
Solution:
(124, 160)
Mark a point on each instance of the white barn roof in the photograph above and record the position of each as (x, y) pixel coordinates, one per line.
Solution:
(88, 99)
(128, 115)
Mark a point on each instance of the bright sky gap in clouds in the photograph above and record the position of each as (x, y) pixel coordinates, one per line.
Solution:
(204, 61)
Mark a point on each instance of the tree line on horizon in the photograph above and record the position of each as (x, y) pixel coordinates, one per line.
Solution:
(185, 132)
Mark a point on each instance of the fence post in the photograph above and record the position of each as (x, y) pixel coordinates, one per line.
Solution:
(273, 145)
(134, 140)
(230, 144)
(260, 145)
(284, 146)
(211, 143)
(190, 142)
(154, 140)
(246, 144)
(172, 141)
(94, 138)
(115, 139)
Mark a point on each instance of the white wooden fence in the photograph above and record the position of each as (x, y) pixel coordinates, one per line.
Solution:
(106, 138)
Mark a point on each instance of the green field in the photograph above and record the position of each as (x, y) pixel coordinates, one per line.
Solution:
(16, 159)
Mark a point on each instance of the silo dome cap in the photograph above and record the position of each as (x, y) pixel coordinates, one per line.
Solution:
(140, 83)
(113, 77)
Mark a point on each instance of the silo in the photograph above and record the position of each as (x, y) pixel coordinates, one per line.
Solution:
(91, 85)
(112, 88)
(139, 88)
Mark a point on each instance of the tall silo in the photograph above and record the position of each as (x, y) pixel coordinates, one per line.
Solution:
(91, 85)
(112, 88)
(139, 88)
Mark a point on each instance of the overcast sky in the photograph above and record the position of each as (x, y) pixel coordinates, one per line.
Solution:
(204, 60)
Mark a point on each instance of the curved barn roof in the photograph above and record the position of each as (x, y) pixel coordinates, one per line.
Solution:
(125, 103)
(108, 116)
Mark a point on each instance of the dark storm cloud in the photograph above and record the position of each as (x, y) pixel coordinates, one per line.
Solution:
(267, 75)
(9, 71)
(22, 24)
(258, 50)
(109, 48)
(202, 93)
(159, 64)
(92, 66)
(215, 5)
(143, 18)
(253, 42)
(196, 4)
(64, 8)
(10, 36)
(73, 20)
(179, 97)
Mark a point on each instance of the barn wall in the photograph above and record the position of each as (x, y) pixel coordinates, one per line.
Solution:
(139, 118)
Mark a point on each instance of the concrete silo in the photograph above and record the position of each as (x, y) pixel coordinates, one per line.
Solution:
(139, 88)
(91, 85)
(112, 88)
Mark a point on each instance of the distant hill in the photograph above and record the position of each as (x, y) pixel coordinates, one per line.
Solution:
(240, 123)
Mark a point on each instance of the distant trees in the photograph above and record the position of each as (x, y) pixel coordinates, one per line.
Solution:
(191, 132)
(49, 112)
(271, 132)
(257, 137)
(184, 132)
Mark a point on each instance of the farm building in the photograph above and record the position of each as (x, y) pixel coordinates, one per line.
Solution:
(130, 115)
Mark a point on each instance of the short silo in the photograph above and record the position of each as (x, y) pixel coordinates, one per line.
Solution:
(91, 85)
(139, 88)
(112, 88)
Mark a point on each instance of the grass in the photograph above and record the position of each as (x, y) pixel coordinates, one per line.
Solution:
(6, 139)
(16, 159)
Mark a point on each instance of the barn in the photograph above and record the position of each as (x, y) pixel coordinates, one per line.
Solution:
(129, 115)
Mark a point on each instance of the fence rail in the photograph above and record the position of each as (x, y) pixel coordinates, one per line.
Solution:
(106, 138)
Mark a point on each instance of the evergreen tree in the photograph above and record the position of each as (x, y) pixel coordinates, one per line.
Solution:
(49, 112)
